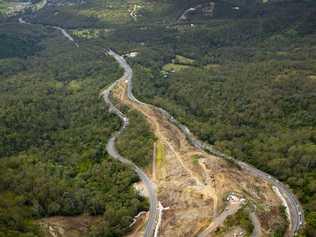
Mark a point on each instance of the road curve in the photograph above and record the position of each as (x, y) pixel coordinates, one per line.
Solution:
(62, 30)
(184, 17)
(294, 209)
(111, 149)
(154, 213)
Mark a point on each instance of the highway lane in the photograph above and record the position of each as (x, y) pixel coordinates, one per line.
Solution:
(295, 210)
(184, 17)
(296, 215)
(154, 205)
(111, 149)
(128, 75)
(62, 30)
(66, 34)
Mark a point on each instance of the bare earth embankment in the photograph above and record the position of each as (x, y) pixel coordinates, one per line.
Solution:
(193, 184)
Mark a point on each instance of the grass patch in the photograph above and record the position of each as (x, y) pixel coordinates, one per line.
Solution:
(87, 33)
(313, 77)
(195, 159)
(119, 16)
(241, 218)
(55, 85)
(183, 60)
(112, 12)
(160, 153)
(212, 66)
(74, 86)
(172, 67)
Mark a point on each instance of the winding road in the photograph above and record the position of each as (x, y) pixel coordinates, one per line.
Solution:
(65, 33)
(155, 206)
(62, 30)
(111, 149)
(293, 207)
(184, 17)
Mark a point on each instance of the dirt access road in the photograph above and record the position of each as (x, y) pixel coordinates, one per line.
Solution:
(191, 182)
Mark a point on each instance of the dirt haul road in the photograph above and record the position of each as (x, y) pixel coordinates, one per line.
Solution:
(191, 182)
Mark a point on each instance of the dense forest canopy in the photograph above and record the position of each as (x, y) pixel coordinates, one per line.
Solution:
(242, 77)
(54, 129)
(246, 84)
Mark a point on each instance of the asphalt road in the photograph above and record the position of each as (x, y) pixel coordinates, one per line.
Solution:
(185, 13)
(294, 209)
(111, 149)
(65, 33)
(62, 30)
